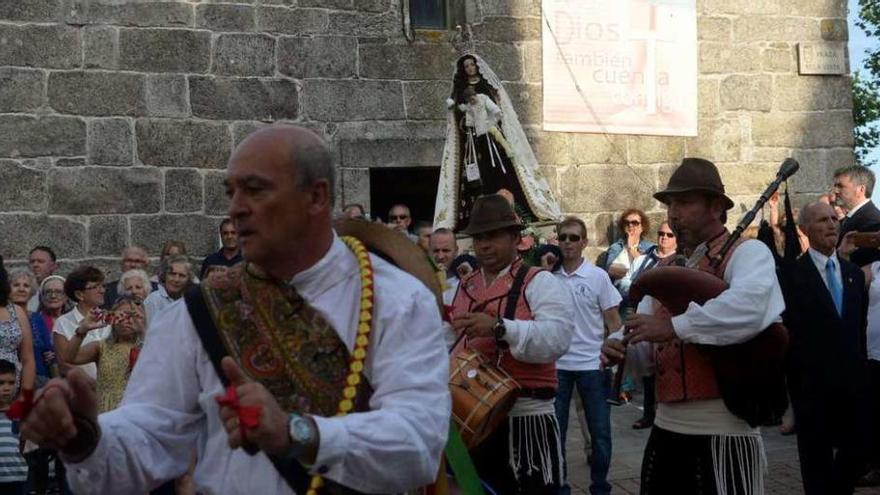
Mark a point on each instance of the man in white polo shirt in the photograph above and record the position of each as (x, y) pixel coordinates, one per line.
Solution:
(595, 313)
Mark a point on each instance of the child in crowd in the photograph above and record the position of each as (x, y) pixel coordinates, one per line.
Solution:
(13, 468)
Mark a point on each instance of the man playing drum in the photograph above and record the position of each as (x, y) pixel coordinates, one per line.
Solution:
(308, 320)
(520, 318)
(697, 445)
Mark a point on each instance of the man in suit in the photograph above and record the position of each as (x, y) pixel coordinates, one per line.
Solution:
(826, 312)
(852, 189)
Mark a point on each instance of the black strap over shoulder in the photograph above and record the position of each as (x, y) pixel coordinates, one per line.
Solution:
(208, 334)
(515, 291)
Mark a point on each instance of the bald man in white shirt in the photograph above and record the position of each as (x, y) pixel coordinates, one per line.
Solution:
(280, 181)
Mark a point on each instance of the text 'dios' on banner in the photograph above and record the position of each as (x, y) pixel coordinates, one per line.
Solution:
(620, 66)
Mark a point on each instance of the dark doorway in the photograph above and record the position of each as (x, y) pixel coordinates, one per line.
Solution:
(415, 187)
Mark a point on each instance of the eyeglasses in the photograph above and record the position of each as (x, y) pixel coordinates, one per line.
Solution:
(53, 292)
(665, 234)
(92, 287)
(632, 223)
(569, 238)
(398, 217)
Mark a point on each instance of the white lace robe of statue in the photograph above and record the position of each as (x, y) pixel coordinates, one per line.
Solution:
(453, 199)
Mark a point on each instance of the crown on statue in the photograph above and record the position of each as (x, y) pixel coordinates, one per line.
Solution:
(463, 39)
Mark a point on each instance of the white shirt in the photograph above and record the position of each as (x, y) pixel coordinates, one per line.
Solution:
(156, 302)
(593, 293)
(820, 260)
(451, 288)
(752, 302)
(66, 325)
(33, 303)
(169, 405)
(852, 212)
(874, 313)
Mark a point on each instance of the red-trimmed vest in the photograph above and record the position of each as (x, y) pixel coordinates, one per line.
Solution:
(684, 373)
(473, 296)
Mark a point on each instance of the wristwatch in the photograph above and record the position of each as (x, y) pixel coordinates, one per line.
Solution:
(302, 435)
(499, 329)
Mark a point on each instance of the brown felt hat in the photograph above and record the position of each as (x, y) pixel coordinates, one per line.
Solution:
(695, 175)
(491, 212)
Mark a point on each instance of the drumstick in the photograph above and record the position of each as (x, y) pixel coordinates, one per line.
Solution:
(457, 341)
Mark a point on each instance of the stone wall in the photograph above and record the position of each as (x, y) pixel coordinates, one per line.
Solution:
(116, 117)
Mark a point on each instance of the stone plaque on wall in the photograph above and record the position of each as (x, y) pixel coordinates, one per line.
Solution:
(822, 58)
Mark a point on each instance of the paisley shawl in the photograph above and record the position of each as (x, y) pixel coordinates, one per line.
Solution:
(281, 341)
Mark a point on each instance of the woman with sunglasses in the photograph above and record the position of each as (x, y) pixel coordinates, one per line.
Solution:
(630, 245)
(643, 365)
(114, 356)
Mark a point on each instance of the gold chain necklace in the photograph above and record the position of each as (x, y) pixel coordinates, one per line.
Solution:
(359, 354)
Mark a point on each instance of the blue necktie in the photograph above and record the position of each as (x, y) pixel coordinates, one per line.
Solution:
(834, 286)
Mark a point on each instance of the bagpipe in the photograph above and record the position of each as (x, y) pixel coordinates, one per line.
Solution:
(751, 374)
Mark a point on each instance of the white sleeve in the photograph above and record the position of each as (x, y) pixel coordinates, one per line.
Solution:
(546, 337)
(753, 301)
(150, 437)
(492, 110)
(410, 370)
(609, 296)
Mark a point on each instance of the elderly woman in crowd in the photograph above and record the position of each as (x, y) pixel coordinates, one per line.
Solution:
(135, 284)
(175, 275)
(632, 225)
(84, 286)
(53, 300)
(115, 356)
(23, 284)
(16, 344)
(53, 303)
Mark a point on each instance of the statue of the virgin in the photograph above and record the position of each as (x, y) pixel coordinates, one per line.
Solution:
(487, 152)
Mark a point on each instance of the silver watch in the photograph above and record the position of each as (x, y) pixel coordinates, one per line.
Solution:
(302, 431)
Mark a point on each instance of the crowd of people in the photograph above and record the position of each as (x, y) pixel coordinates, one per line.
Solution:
(332, 364)
(50, 324)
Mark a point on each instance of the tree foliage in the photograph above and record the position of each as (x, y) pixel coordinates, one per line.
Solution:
(866, 86)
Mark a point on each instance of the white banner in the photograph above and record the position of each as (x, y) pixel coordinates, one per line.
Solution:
(620, 66)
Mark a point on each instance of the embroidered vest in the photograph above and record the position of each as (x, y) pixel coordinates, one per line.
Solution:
(473, 296)
(281, 341)
(684, 372)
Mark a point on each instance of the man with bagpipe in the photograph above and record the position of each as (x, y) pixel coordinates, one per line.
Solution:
(718, 347)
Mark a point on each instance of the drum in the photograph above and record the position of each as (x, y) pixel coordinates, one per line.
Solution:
(482, 395)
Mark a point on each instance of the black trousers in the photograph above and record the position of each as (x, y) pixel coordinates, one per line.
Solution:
(683, 464)
(492, 459)
(873, 452)
(831, 439)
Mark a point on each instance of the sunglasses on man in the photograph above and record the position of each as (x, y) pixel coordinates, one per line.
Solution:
(670, 235)
(569, 238)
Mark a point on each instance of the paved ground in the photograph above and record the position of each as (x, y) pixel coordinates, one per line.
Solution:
(628, 444)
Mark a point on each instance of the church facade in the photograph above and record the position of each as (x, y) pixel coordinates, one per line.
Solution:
(117, 117)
